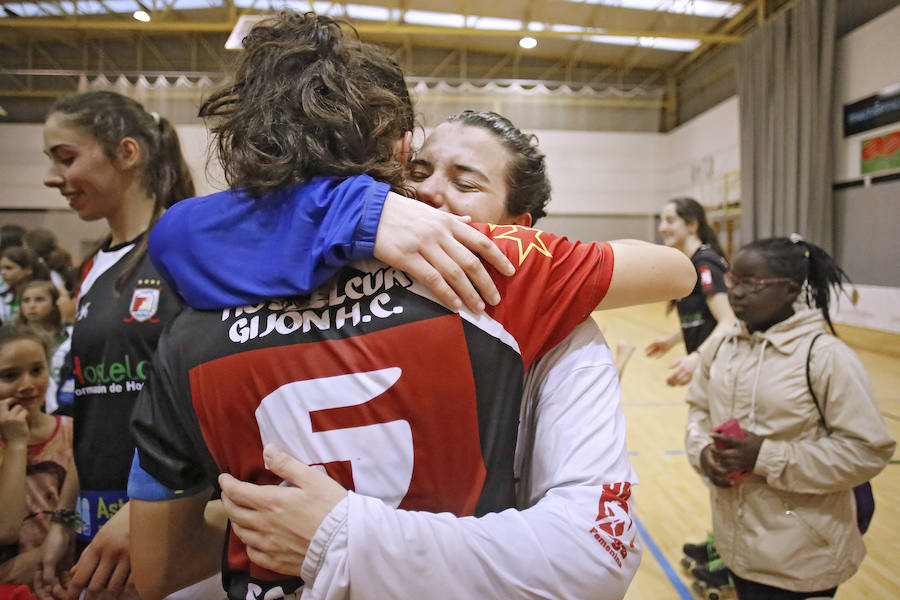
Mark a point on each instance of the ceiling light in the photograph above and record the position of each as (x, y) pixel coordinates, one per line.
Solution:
(142, 16)
(528, 42)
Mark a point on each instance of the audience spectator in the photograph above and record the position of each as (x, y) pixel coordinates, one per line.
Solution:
(40, 312)
(11, 235)
(45, 245)
(36, 466)
(18, 266)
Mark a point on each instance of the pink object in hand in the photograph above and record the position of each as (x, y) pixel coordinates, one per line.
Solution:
(731, 428)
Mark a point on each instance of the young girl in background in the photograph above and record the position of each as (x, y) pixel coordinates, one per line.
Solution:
(18, 266)
(813, 429)
(40, 311)
(35, 455)
(46, 246)
(705, 311)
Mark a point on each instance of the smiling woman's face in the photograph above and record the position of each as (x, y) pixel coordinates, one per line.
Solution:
(462, 169)
(81, 171)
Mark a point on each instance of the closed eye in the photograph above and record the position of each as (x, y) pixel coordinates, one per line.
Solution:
(465, 186)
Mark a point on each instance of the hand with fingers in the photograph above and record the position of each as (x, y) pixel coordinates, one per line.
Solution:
(660, 346)
(441, 251)
(277, 523)
(52, 578)
(104, 569)
(740, 454)
(13, 422)
(683, 369)
(712, 469)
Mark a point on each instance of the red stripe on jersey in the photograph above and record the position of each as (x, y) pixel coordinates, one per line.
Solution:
(328, 392)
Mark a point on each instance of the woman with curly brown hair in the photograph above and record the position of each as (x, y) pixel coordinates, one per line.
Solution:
(319, 122)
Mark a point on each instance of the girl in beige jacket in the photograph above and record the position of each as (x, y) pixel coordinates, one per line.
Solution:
(788, 529)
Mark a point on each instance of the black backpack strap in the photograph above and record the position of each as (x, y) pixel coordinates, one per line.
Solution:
(809, 382)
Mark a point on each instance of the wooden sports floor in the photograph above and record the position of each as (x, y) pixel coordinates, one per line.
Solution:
(671, 501)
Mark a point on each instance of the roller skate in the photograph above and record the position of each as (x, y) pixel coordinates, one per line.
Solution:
(699, 554)
(712, 581)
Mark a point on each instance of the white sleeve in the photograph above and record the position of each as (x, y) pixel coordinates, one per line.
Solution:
(573, 534)
(325, 567)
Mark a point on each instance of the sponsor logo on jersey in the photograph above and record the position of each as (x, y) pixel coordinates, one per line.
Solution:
(691, 320)
(96, 508)
(706, 279)
(144, 303)
(614, 520)
(105, 378)
(526, 238)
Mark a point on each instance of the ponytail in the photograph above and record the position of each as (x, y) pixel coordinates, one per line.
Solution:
(692, 211)
(814, 270)
(173, 177)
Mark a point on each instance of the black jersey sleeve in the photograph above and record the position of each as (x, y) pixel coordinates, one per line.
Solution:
(169, 441)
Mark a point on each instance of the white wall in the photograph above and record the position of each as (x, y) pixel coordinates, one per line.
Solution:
(867, 61)
(23, 165)
(594, 173)
(602, 173)
(700, 153)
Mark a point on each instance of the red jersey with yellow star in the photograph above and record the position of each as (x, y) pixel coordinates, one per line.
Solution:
(391, 393)
(569, 274)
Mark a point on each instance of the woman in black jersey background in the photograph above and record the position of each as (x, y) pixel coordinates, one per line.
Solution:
(705, 311)
(112, 160)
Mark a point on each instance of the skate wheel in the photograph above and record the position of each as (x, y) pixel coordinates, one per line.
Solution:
(687, 563)
(698, 587)
(713, 596)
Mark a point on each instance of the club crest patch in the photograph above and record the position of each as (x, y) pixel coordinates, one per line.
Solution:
(144, 304)
(706, 280)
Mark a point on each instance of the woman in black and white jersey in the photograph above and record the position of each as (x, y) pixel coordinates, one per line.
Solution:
(112, 160)
(705, 312)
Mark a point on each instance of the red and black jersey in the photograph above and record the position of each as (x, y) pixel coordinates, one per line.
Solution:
(697, 321)
(391, 393)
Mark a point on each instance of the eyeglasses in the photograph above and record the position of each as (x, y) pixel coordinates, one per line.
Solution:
(752, 284)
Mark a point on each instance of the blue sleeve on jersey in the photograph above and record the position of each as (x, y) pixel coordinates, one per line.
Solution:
(229, 249)
(142, 485)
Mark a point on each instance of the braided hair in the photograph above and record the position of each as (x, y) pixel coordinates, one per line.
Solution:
(814, 270)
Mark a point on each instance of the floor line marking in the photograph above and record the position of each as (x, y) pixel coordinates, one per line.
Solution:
(673, 577)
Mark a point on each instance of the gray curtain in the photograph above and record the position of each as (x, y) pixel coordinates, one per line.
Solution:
(785, 85)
